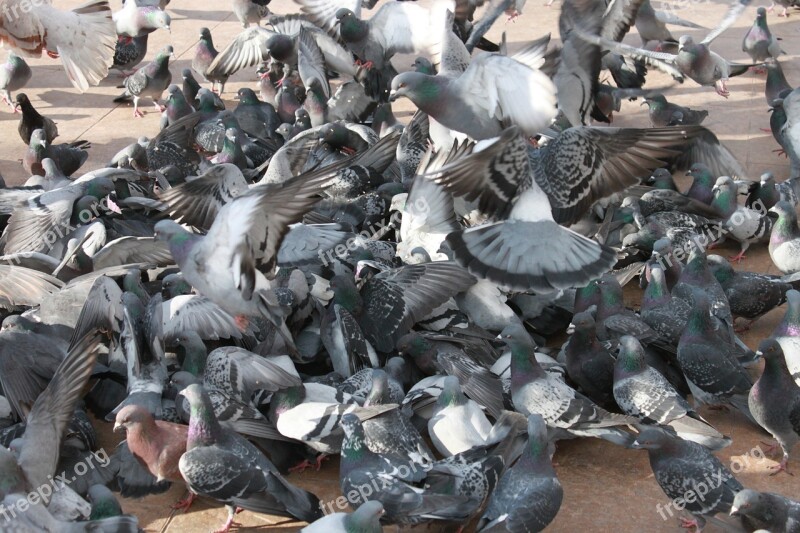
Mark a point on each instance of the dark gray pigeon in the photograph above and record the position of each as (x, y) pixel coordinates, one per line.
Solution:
(149, 81)
(774, 400)
(664, 113)
(228, 468)
(681, 466)
(767, 511)
(529, 495)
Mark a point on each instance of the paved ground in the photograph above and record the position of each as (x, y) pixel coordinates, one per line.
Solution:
(605, 488)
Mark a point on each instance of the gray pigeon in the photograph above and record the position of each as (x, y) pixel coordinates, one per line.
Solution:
(535, 391)
(14, 75)
(135, 20)
(509, 251)
(774, 400)
(664, 113)
(641, 391)
(784, 241)
(759, 43)
(149, 81)
(742, 224)
(767, 511)
(458, 423)
(529, 495)
(683, 468)
(651, 24)
(225, 466)
(128, 53)
(365, 519)
(251, 11)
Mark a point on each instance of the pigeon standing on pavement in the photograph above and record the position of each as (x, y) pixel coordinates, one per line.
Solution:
(204, 54)
(251, 11)
(775, 400)
(149, 81)
(680, 466)
(664, 113)
(32, 120)
(759, 43)
(529, 495)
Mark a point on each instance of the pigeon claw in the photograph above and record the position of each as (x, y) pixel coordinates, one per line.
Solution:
(185, 503)
(738, 257)
(242, 322)
(722, 88)
(302, 467)
(781, 467)
(229, 523)
(687, 523)
(137, 114)
(52, 54)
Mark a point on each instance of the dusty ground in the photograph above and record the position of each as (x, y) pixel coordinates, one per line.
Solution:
(605, 488)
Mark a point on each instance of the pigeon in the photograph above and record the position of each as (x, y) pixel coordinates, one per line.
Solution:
(641, 391)
(707, 357)
(478, 103)
(523, 211)
(759, 43)
(14, 75)
(589, 364)
(458, 423)
(83, 38)
(749, 294)
(766, 510)
(135, 20)
(776, 82)
(204, 55)
(774, 400)
(365, 519)
(786, 333)
(365, 476)
(129, 52)
(31, 121)
(226, 467)
(528, 495)
(742, 224)
(683, 467)
(763, 194)
(702, 188)
(663, 113)
(68, 158)
(251, 11)
(666, 314)
(149, 81)
(784, 241)
(206, 260)
(156, 444)
(535, 391)
(693, 60)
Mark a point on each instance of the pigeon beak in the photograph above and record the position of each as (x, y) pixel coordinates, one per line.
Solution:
(499, 337)
(734, 511)
(688, 172)
(118, 428)
(759, 354)
(393, 95)
(44, 144)
(644, 101)
(570, 328)
(169, 30)
(635, 444)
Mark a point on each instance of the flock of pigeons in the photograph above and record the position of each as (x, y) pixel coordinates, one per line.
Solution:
(256, 288)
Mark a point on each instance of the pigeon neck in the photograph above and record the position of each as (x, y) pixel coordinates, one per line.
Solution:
(195, 359)
(785, 229)
(724, 201)
(524, 366)
(790, 325)
(203, 424)
(354, 448)
(353, 30)
(699, 319)
(656, 293)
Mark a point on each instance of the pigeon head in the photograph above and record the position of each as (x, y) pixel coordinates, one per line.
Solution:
(99, 187)
(186, 74)
(785, 228)
(22, 100)
(247, 96)
(159, 19)
(38, 139)
(782, 208)
(581, 323)
(301, 115)
(366, 517)
(770, 349)
(662, 247)
(345, 293)
(761, 13)
(767, 178)
(610, 295)
(342, 14)
(133, 417)
(451, 393)
(205, 34)
(631, 356)
(720, 268)
(413, 344)
(175, 285)
(351, 28)
(420, 88)
(379, 392)
(652, 438)
(661, 179)
(655, 101)
(351, 426)
(50, 167)
(587, 296)
(423, 66)
(685, 42)
(748, 502)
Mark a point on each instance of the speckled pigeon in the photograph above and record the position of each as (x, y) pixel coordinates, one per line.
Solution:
(149, 81)
(767, 511)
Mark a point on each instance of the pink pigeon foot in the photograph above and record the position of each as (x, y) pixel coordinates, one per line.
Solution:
(781, 467)
(738, 257)
(185, 503)
(137, 114)
(687, 523)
